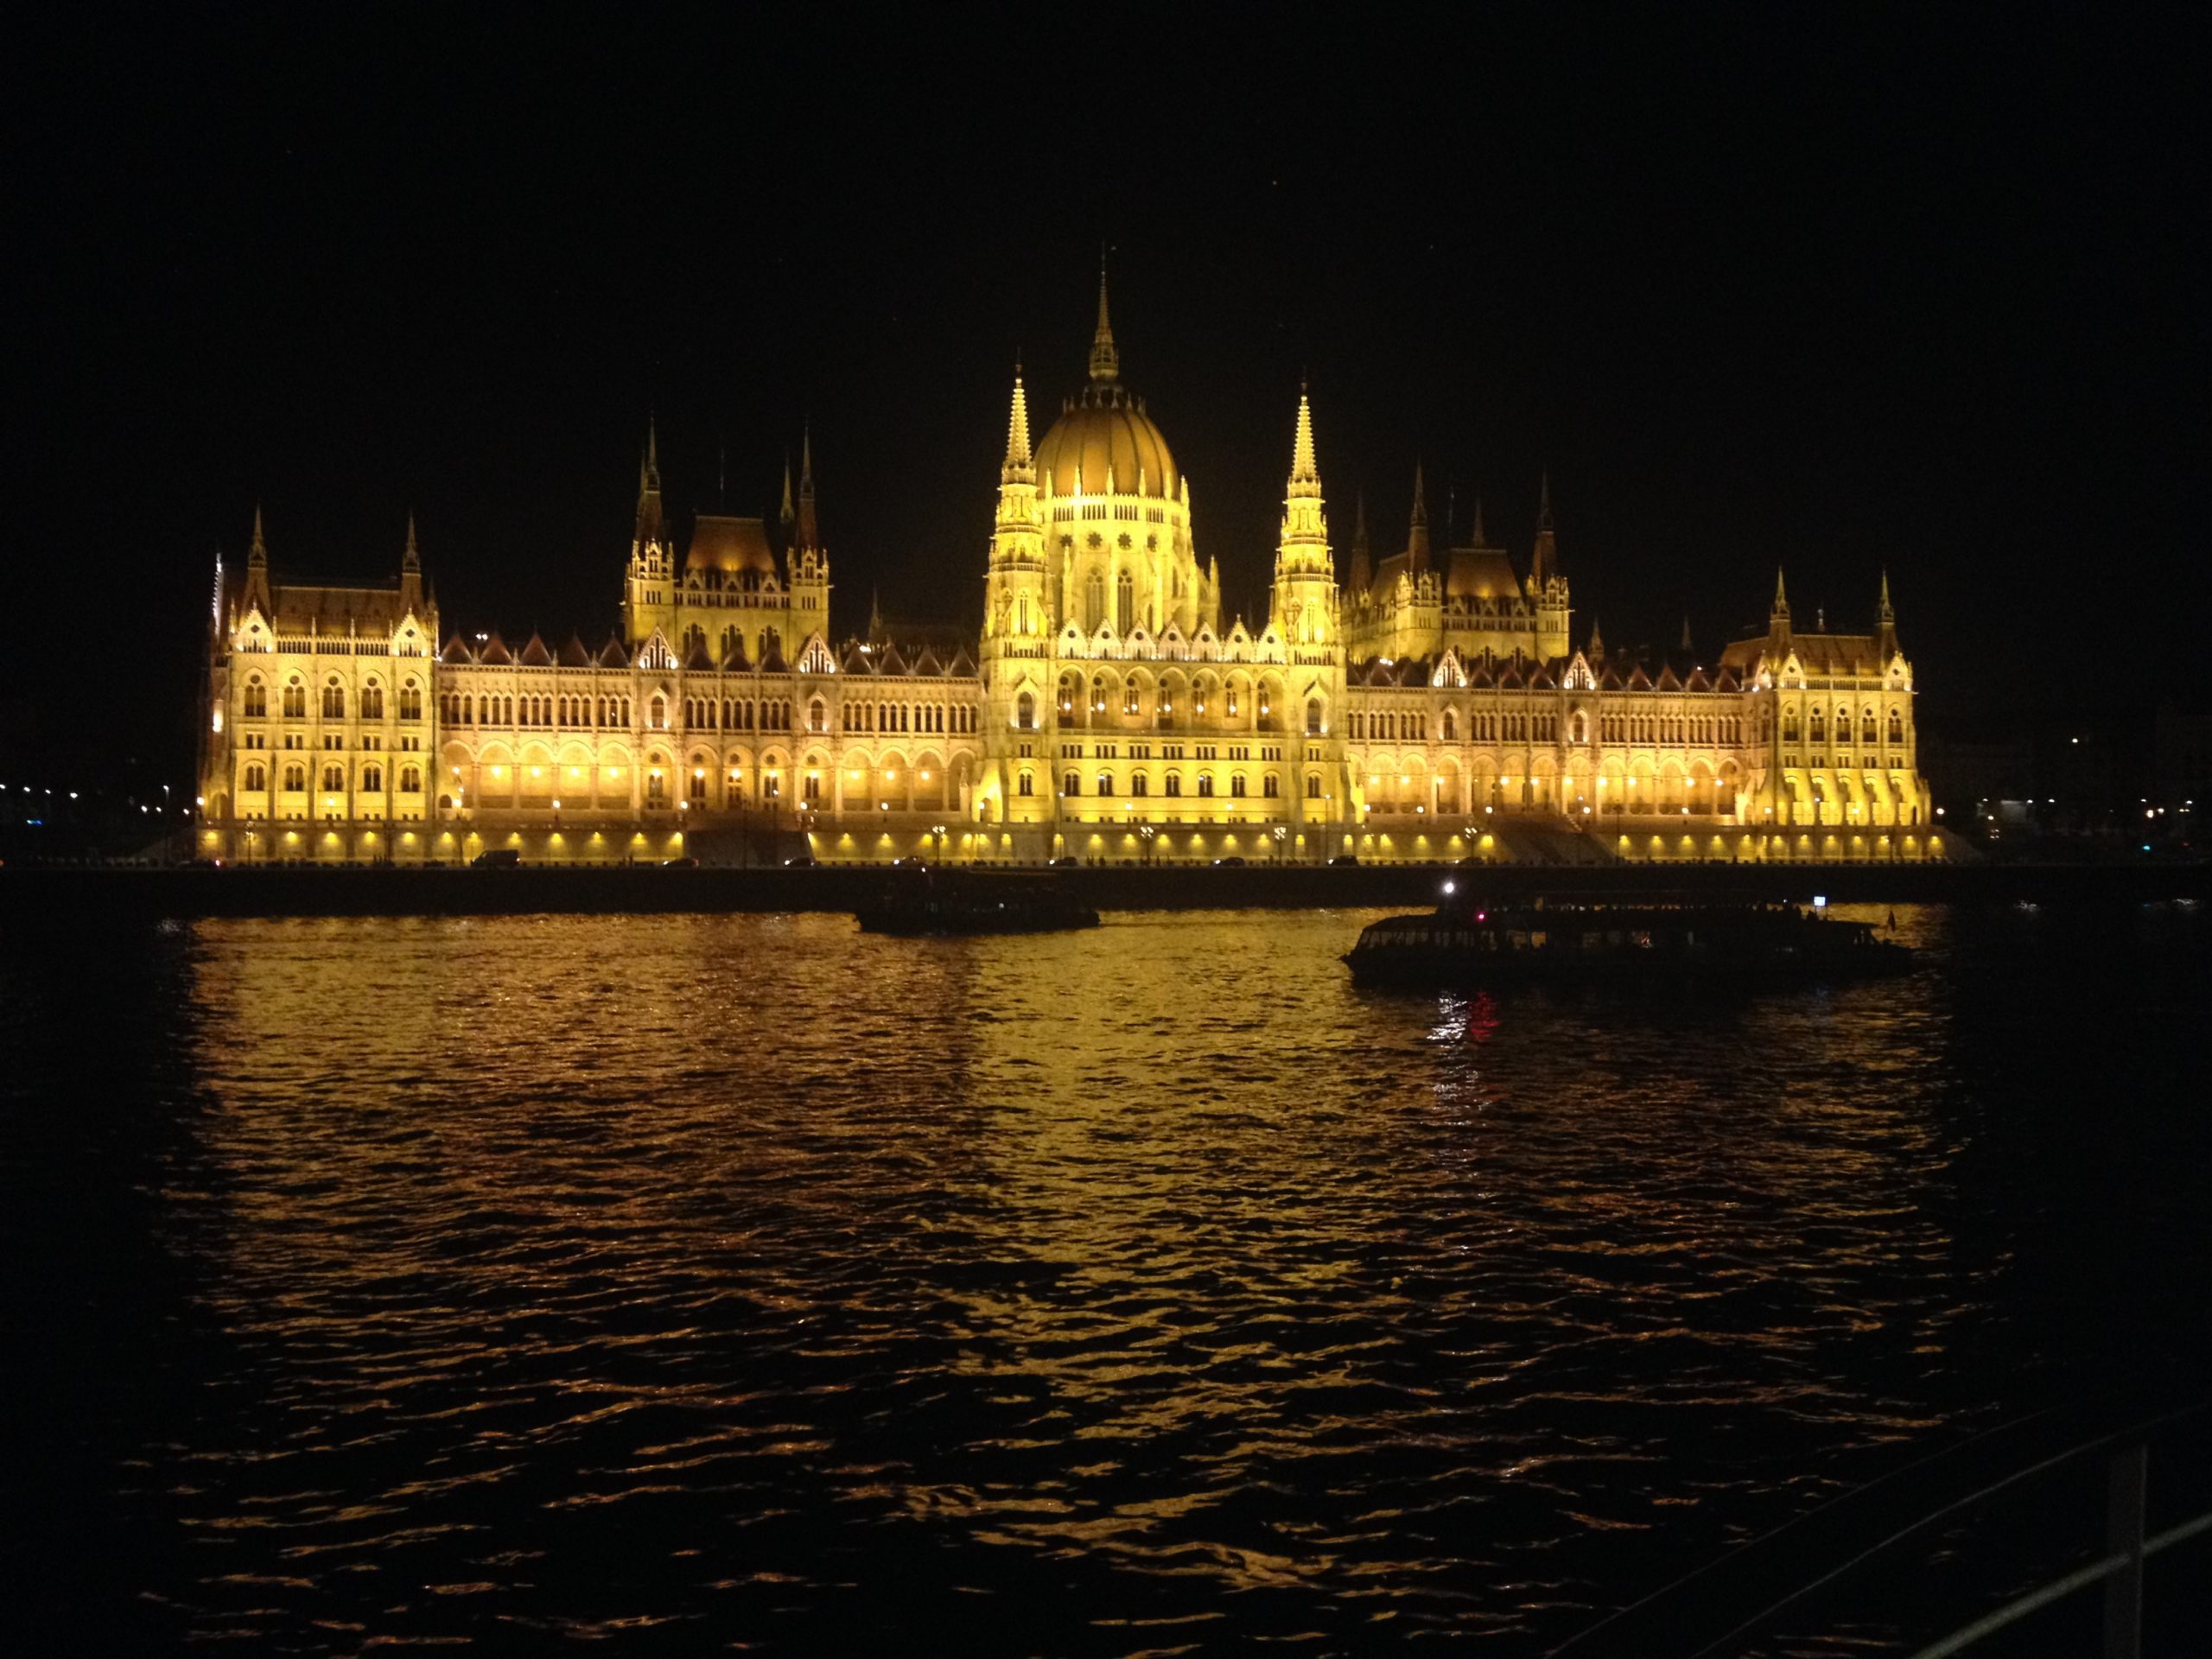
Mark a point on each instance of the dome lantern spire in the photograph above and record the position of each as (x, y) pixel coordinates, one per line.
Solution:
(1105, 360)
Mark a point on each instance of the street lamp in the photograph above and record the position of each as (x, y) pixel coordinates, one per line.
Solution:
(1145, 833)
(1282, 835)
(938, 830)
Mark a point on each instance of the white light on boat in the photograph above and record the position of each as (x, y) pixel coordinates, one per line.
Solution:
(1447, 889)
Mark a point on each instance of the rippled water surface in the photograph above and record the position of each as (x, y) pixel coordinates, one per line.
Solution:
(726, 1281)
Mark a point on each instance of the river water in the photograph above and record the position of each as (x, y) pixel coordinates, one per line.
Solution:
(710, 1282)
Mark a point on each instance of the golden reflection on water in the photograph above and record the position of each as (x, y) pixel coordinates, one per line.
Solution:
(1159, 1254)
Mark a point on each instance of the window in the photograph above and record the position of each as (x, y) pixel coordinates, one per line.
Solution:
(1236, 784)
(817, 716)
(1205, 786)
(256, 700)
(1072, 784)
(1232, 702)
(256, 777)
(1868, 733)
(1819, 727)
(333, 779)
(1174, 783)
(296, 778)
(1313, 717)
(1451, 726)
(656, 786)
(698, 786)
(659, 707)
(1094, 597)
(371, 702)
(1129, 698)
(1125, 603)
(1897, 726)
(1789, 725)
(1312, 785)
(1098, 694)
(1027, 785)
(813, 789)
(411, 780)
(295, 701)
(1025, 714)
(1105, 783)
(1140, 785)
(372, 778)
(410, 701)
(334, 701)
(1270, 786)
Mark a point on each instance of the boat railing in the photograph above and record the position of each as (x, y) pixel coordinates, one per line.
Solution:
(1771, 1587)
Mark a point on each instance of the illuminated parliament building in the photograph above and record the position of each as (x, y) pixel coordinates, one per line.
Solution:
(1429, 705)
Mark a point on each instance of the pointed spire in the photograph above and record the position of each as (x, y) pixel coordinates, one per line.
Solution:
(1686, 645)
(1885, 613)
(1885, 623)
(810, 528)
(786, 515)
(413, 559)
(258, 553)
(649, 469)
(649, 518)
(1018, 457)
(874, 617)
(1105, 360)
(1781, 598)
(1597, 652)
(1480, 539)
(1360, 577)
(1305, 475)
(1417, 538)
(1544, 564)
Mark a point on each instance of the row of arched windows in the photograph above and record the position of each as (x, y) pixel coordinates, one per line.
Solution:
(254, 700)
(1870, 725)
(1140, 785)
(255, 778)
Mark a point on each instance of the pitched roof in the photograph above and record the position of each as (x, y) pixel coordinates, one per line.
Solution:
(456, 651)
(534, 655)
(495, 651)
(614, 656)
(573, 654)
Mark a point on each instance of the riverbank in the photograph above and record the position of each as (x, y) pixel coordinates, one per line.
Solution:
(86, 897)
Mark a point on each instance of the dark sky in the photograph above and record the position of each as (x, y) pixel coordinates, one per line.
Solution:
(1915, 289)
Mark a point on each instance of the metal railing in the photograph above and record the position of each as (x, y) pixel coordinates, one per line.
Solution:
(1752, 1594)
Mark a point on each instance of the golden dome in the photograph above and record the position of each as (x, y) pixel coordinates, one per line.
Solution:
(1106, 427)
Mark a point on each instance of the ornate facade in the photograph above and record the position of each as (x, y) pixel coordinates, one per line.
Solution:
(1418, 709)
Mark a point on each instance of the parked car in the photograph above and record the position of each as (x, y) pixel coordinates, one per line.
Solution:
(909, 864)
(679, 863)
(497, 858)
(1231, 863)
(1345, 858)
(1069, 862)
(802, 862)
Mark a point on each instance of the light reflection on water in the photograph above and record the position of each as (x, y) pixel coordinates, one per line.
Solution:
(1144, 1290)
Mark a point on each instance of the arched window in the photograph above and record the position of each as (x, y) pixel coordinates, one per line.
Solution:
(1236, 784)
(296, 778)
(334, 700)
(371, 778)
(1868, 731)
(1312, 785)
(660, 709)
(1140, 785)
(1789, 725)
(256, 699)
(1094, 602)
(1129, 698)
(1582, 727)
(1897, 726)
(1026, 785)
(1820, 724)
(1205, 786)
(817, 716)
(371, 702)
(1312, 717)
(1125, 603)
(1105, 783)
(1072, 784)
(295, 701)
(256, 777)
(1270, 786)
(1098, 694)
(698, 786)
(1068, 685)
(1174, 783)
(1451, 726)
(333, 779)
(656, 786)
(1024, 713)
(411, 780)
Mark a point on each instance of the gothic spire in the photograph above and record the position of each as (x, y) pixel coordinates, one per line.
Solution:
(1417, 537)
(1686, 645)
(649, 517)
(1480, 539)
(809, 529)
(1781, 598)
(1018, 466)
(1544, 565)
(1361, 574)
(412, 560)
(1105, 360)
(786, 515)
(1305, 476)
(258, 553)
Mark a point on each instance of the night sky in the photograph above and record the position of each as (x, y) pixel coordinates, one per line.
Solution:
(1843, 291)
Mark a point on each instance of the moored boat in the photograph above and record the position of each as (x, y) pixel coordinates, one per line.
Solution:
(935, 901)
(1468, 942)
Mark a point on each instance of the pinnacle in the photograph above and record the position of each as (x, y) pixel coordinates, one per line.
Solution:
(1105, 360)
